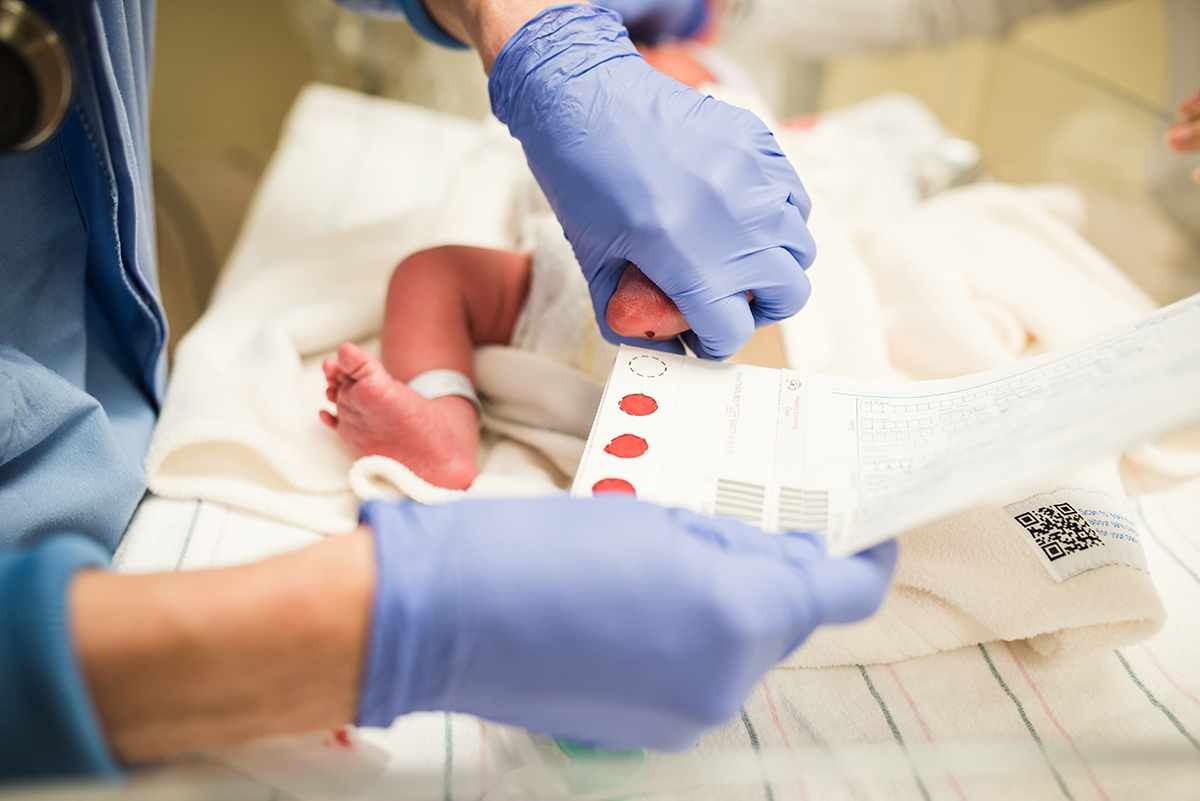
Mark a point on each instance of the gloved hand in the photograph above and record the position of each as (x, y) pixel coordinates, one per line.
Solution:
(640, 168)
(608, 621)
(649, 21)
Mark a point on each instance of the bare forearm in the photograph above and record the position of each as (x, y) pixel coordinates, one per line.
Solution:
(485, 24)
(189, 660)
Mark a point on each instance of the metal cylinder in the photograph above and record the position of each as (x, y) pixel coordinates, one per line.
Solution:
(35, 78)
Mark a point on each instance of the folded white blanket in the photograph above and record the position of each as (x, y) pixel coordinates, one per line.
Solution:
(969, 280)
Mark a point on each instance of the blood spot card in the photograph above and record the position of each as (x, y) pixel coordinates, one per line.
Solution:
(861, 461)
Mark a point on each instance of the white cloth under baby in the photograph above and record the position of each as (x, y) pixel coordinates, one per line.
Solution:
(240, 424)
(557, 320)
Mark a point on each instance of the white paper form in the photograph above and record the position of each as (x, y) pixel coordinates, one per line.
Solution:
(862, 461)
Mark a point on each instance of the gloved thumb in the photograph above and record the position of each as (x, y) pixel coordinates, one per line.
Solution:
(852, 588)
(719, 328)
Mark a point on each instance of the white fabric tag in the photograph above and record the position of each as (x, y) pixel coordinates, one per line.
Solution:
(1074, 530)
(438, 383)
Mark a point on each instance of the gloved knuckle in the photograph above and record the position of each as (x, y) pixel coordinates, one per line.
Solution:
(802, 201)
(794, 294)
(747, 120)
(648, 228)
(724, 345)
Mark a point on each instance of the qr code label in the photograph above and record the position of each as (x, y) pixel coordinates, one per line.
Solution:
(1075, 530)
(1059, 530)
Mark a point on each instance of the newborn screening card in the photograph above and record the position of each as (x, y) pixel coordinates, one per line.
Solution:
(721, 439)
(861, 461)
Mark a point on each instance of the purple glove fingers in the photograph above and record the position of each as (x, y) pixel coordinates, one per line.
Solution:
(838, 583)
(782, 288)
(638, 167)
(608, 620)
(724, 321)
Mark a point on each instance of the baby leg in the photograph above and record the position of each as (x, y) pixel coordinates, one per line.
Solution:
(437, 439)
(441, 304)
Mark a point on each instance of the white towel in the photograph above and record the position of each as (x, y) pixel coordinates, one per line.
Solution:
(971, 279)
(239, 424)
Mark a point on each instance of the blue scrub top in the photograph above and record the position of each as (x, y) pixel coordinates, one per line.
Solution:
(82, 368)
(82, 371)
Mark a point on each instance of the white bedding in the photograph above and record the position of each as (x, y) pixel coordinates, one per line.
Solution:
(382, 162)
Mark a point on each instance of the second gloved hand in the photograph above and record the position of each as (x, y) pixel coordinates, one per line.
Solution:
(608, 621)
(640, 168)
(649, 21)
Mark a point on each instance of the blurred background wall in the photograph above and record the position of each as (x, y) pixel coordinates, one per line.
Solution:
(1079, 98)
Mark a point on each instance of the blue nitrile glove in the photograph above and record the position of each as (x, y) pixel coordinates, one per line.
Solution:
(638, 167)
(650, 21)
(608, 621)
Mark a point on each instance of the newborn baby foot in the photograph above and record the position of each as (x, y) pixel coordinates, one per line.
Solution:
(638, 308)
(437, 439)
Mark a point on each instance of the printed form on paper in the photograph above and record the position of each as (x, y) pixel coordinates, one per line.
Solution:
(861, 461)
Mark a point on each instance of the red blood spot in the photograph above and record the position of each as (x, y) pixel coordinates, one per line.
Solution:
(626, 446)
(639, 405)
(613, 485)
(343, 738)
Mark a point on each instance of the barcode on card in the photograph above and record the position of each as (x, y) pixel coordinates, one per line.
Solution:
(739, 499)
(803, 510)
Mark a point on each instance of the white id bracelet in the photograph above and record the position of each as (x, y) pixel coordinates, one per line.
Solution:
(439, 383)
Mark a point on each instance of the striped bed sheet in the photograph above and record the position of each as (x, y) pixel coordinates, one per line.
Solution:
(987, 721)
